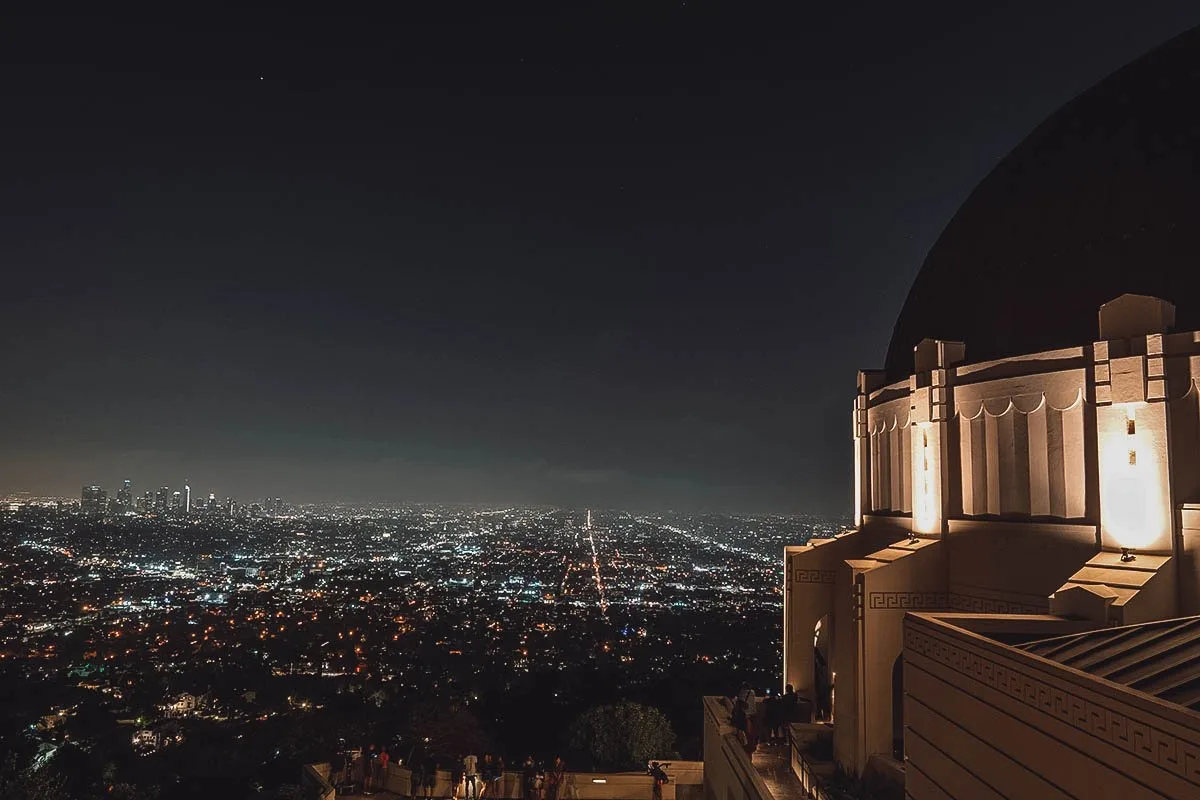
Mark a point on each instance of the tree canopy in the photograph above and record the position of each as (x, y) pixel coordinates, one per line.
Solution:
(621, 737)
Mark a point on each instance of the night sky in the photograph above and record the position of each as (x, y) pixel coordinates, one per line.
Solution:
(595, 254)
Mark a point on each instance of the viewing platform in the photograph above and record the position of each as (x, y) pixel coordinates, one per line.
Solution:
(733, 774)
(802, 768)
(773, 763)
(687, 783)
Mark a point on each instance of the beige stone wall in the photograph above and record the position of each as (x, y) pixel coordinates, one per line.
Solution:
(728, 772)
(808, 596)
(1183, 398)
(913, 582)
(890, 434)
(1019, 442)
(809, 590)
(1183, 386)
(1022, 446)
(845, 646)
(1012, 567)
(983, 720)
(1189, 558)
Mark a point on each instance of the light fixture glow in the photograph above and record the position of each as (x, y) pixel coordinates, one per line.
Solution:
(925, 511)
(1130, 514)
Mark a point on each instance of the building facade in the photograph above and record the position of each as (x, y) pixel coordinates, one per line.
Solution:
(1016, 609)
(1054, 483)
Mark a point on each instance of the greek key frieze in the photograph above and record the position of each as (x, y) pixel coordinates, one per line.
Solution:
(813, 576)
(988, 605)
(906, 601)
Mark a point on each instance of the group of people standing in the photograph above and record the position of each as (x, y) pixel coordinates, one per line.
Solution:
(763, 717)
(368, 766)
(475, 779)
(541, 783)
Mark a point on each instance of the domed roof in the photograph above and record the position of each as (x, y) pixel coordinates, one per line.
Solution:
(1103, 198)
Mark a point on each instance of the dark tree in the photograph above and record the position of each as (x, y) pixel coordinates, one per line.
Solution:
(621, 737)
(444, 729)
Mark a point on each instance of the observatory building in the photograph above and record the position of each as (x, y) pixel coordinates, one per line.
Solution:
(1012, 614)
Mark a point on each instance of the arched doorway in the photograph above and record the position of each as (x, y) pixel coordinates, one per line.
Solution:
(823, 669)
(898, 708)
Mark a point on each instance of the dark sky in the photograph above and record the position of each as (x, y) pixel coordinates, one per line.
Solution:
(587, 253)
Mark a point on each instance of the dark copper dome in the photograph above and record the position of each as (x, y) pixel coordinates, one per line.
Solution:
(1101, 199)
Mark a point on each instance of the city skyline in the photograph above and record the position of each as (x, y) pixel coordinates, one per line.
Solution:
(626, 255)
(95, 499)
(172, 499)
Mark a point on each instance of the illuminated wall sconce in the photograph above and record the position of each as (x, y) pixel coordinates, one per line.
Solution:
(925, 510)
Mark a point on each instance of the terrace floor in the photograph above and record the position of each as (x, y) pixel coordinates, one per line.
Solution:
(773, 763)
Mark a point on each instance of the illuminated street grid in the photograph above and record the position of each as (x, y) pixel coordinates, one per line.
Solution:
(450, 600)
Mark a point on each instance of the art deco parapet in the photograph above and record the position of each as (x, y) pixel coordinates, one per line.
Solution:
(1133, 315)
(1121, 378)
(1099, 714)
(1079, 433)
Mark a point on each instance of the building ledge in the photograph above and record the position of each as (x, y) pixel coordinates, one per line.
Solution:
(1117, 586)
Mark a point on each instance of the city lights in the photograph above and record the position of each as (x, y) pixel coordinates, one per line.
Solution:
(392, 597)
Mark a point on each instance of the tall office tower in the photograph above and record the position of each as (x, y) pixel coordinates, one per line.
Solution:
(93, 501)
(589, 522)
(230, 506)
(177, 501)
(125, 496)
(146, 505)
(187, 497)
(160, 499)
